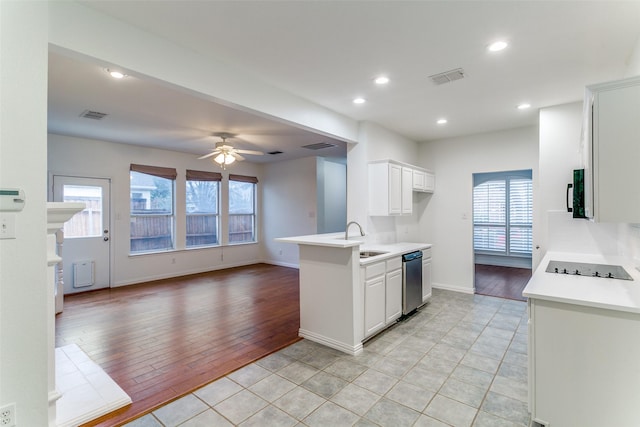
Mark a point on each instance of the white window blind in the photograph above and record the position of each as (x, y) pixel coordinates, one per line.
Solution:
(502, 214)
(520, 215)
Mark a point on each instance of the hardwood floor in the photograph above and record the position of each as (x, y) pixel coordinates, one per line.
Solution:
(163, 339)
(503, 282)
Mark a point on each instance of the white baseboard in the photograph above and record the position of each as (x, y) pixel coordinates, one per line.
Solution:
(281, 264)
(329, 342)
(453, 288)
(183, 273)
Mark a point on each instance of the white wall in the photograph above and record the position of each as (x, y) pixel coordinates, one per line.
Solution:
(633, 65)
(99, 159)
(332, 195)
(447, 221)
(378, 143)
(289, 207)
(23, 261)
(560, 153)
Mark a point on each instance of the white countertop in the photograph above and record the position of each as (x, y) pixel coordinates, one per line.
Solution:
(392, 250)
(614, 294)
(336, 240)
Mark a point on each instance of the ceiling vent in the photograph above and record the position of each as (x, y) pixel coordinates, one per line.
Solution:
(318, 146)
(447, 76)
(95, 115)
(273, 153)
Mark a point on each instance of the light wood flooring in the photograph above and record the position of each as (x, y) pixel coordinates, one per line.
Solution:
(163, 339)
(502, 282)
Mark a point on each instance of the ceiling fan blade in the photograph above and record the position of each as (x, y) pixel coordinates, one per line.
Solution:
(237, 156)
(252, 152)
(213, 153)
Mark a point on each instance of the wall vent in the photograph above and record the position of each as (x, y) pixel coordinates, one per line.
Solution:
(95, 115)
(447, 76)
(318, 146)
(273, 153)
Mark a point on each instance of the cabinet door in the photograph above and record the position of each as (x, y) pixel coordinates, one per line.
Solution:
(374, 314)
(395, 189)
(615, 155)
(394, 295)
(429, 182)
(419, 180)
(426, 279)
(407, 191)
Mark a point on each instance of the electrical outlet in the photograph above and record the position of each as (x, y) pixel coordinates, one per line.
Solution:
(8, 415)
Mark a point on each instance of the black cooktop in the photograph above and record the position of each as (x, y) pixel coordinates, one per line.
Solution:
(589, 270)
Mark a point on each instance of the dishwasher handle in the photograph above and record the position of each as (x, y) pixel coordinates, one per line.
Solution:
(411, 256)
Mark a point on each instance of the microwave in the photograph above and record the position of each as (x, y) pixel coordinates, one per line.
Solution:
(577, 196)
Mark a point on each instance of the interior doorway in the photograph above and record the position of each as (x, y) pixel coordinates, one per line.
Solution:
(502, 232)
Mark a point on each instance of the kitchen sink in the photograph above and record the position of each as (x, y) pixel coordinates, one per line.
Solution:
(369, 254)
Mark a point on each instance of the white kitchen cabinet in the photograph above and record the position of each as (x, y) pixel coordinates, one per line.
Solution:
(423, 181)
(390, 189)
(584, 365)
(393, 286)
(407, 191)
(382, 294)
(374, 305)
(374, 297)
(614, 151)
(426, 275)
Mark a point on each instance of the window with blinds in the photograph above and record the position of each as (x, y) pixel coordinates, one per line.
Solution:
(503, 213)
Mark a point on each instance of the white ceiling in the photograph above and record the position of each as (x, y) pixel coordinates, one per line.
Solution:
(330, 51)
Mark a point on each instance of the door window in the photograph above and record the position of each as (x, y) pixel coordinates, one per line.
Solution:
(87, 223)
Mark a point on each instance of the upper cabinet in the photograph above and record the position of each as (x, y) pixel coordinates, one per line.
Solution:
(423, 181)
(614, 150)
(391, 187)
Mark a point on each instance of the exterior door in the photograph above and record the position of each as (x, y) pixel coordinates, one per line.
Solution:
(87, 242)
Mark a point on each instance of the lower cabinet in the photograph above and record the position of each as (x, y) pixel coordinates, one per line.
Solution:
(393, 303)
(374, 309)
(584, 365)
(382, 294)
(426, 275)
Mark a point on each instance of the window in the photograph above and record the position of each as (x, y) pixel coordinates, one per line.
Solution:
(503, 213)
(242, 208)
(152, 208)
(202, 206)
(87, 223)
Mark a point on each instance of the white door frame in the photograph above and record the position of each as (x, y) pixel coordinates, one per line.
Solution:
(110, 213)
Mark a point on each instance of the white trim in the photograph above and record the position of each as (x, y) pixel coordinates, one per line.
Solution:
(453, 288)
(346, 348)
(281, 264)
(182, 273)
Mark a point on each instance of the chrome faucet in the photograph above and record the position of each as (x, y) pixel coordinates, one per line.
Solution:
(346, 231)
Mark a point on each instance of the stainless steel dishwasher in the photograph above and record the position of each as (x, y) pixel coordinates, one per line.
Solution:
(411, 281)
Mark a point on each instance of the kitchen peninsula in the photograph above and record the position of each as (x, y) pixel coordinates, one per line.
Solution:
(336, 308)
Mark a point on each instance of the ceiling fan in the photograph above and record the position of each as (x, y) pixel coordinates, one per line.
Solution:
(227, 154)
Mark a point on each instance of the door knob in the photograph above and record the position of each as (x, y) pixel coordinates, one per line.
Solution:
(105, 238)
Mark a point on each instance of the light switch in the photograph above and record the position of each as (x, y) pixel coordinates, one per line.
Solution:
(7, 226)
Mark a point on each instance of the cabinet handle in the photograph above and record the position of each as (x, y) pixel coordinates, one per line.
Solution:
(569, 186)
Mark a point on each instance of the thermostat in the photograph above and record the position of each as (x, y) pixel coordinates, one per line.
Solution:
(11, 199)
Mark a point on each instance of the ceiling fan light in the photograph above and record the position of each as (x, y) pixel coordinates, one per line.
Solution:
(224, 159)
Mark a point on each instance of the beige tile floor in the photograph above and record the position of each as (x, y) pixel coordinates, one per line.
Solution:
(461, 360)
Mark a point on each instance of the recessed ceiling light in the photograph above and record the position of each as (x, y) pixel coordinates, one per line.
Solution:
(359, 101)
(524, 106)
(116, 74)
(441, 121)
(382, 80)
(497, 46)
